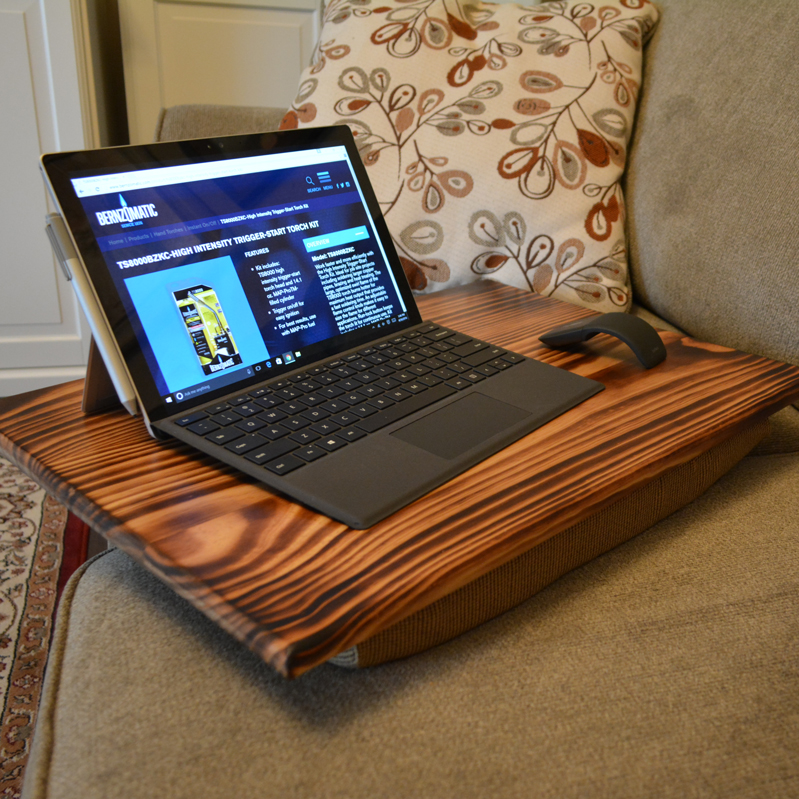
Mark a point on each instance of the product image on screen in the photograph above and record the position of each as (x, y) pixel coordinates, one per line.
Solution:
(207, 328)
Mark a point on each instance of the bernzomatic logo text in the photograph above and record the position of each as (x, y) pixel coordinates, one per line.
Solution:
(126, 215)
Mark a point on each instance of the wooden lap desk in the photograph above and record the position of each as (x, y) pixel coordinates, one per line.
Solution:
(298, 588)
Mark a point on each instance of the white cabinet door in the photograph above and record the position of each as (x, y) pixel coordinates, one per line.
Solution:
(42, 339)
(248, 52)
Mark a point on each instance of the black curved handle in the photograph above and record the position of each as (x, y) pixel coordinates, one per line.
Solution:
(637, 334)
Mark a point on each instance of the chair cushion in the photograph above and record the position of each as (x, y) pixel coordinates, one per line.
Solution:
(495, 136)
(713, 182)
(666, 667)
(510, 584)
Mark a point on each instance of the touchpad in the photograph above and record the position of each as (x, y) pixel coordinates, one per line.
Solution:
(461, 425)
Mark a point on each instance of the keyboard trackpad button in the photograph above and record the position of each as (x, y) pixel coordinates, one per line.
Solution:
(461, 425)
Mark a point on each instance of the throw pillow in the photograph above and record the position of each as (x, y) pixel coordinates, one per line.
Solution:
(495, 135)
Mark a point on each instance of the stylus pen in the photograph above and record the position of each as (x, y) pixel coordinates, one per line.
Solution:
(73, 269)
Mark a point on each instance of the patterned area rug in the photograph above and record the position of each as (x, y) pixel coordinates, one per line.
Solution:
(39, 543)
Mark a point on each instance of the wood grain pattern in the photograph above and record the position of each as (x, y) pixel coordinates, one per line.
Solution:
(297, 587)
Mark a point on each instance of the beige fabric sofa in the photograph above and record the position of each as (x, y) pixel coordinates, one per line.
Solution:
(667, 667)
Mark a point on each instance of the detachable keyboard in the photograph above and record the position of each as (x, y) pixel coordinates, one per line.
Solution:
(287, 423)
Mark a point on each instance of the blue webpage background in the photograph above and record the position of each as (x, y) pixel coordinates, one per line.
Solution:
(201, 214)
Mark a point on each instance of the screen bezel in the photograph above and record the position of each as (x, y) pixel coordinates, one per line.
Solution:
(62, 168)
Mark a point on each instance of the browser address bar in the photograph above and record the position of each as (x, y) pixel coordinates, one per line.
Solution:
(187, 173)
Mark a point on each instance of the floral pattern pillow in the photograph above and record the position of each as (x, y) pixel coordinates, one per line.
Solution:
(495, 136)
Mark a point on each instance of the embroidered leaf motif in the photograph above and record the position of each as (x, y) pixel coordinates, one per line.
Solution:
(354, 79)
(530, 133)
(485, 229)
(581, 10)
(450, 127)
(436, 34)
(423, 237)
(589, 292)
(509, 49)
(307, 88)
(349, 106)
(389, 32)
(306, 113)
(401, 96)
(404, 120)
(530, 107)
(380, 79)
(456, 182)
(601, 217)
(406, 44)
(569, 253)
(414, 273)
(539, 182)
(514, 226)
(478, 127)
(611, 122)
(416, 183)
(471, 106)
(535, 81)
(433, 198)
(461, 28)
(542, 278)
(428, 100)
(570, 165)
(539, 249)
(488, 262)
(517, 162)
(594, 148)
(486, 90)
(461, 73)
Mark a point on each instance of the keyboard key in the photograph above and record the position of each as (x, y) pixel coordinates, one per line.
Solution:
(269, 452)
(185, 421)
(331, 443)
(483, 356)
(310, 453)
(295, 423)
(363, 410)
(203, 427)
(468, 349)
(344, 419)
(313, 399)
(381, 403)
(270, 417)
(324, 428)
(335, 406)
(304, 436)
(350, 434)
(285, 465)
(250, 425)
(225, 418)
(315, 414)
(225, 435)
(274, 432)
(245, 444)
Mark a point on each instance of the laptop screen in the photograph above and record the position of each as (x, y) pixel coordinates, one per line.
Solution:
(232, 270)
